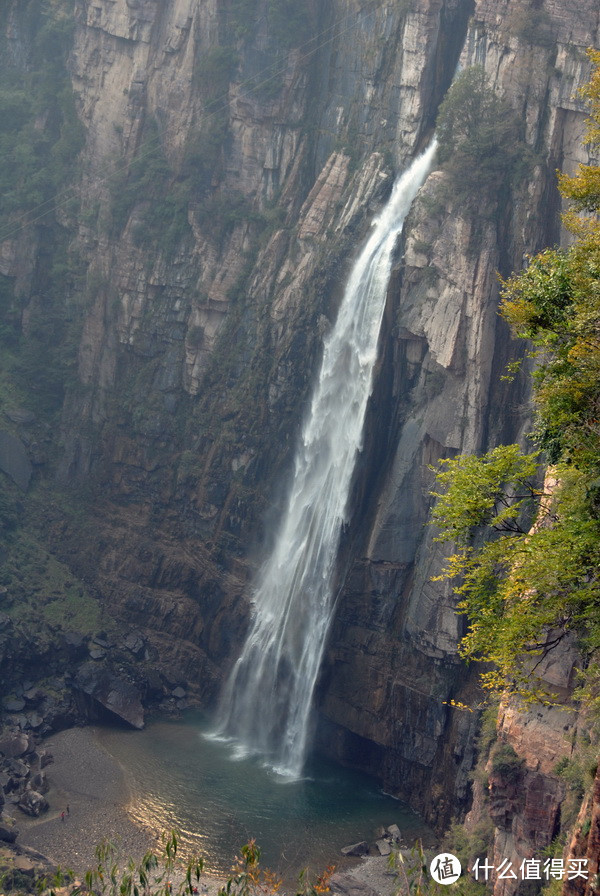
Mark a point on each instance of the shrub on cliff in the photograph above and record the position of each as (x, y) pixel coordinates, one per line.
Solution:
(506, 764)
(40, 133)
(481, 146)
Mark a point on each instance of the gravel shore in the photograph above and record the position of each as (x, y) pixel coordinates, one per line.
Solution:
(87, 780)
(371, 875)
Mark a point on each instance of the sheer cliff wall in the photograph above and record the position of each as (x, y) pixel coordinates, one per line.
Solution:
(234, 154)
(392, 666)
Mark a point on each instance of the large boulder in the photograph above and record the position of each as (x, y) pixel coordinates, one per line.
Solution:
(40, 783)
(13, 704)
(102, 691)
(394, 832)
(34, 720)
(14, 744)
(8, 829)
(17, 768)
(42, 757)
(33, 803)
(357, 849)
(134, 642)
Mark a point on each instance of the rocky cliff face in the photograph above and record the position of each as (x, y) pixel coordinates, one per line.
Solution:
(234, 155)
(521, 793)
(392, 661)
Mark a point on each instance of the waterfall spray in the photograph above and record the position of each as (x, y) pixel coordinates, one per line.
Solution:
(265, 705)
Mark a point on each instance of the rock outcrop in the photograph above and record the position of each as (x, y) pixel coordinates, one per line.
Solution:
(110, 693)
(585, 845)
(23, 782)
(523, 791)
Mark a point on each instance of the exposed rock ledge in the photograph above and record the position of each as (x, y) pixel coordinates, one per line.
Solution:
(102, 690)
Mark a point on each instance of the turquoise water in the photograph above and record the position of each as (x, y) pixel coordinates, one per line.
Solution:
(180, 779)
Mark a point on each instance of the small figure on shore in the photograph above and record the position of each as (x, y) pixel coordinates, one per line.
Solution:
(68, 811)
(170, 887)
(62, 817)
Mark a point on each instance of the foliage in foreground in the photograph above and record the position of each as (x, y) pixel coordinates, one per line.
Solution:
(523, 589)
(412, 877)
(163, 874)
(166, 874)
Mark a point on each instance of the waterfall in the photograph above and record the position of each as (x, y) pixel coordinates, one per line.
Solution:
(265, 705)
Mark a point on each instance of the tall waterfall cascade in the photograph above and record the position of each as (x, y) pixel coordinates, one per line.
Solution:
(266, 702)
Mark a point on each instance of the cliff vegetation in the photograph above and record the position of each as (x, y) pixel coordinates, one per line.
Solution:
(527, 556)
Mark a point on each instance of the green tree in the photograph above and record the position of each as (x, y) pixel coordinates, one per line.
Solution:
(556, 304)
(523, 589)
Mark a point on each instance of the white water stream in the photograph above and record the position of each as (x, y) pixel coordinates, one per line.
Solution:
(265, 705)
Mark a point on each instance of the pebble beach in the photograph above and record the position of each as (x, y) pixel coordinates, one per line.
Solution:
(84, 777)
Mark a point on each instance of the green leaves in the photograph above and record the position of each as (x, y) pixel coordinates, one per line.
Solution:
(537, 301)
(114, 876)
(493, 490)
(555, 303)
(516, 590)
(520, 593)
